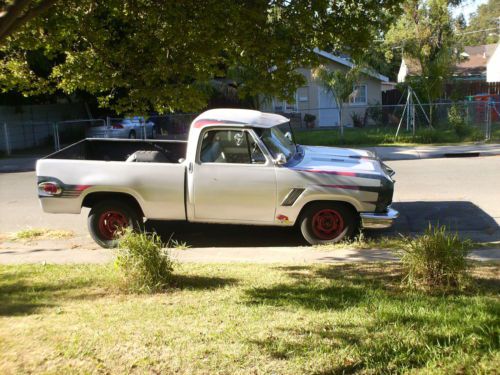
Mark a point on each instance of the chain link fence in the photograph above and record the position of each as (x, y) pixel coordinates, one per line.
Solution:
(474, 120)
(439, 122)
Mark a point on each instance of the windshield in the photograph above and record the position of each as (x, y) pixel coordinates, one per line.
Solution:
(277, 143)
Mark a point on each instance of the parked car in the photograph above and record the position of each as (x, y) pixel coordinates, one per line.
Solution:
(128, 127)
(237, 167)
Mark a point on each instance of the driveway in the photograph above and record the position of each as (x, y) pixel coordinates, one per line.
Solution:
(461, 193)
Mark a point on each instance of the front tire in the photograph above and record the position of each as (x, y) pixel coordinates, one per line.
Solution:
(107, 218)
(327, 223)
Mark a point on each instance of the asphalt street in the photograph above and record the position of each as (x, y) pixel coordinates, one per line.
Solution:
(463, 193)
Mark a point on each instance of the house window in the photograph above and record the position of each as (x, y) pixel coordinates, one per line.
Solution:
(358, 95)
(284, 106)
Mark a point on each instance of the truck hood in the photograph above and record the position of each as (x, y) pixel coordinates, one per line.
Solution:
(338, 159)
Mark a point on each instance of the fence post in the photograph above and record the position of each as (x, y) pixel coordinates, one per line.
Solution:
(106, 127)
(489, 108)
(55, 132)
(7, 141)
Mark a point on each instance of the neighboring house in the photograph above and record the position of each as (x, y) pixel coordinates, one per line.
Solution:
(314, 99)
(477, 63)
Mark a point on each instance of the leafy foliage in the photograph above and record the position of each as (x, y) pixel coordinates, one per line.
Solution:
(141, 55)
(436, 260)
(144, 265)
(339, 83)
(486, 18)
(426, 34)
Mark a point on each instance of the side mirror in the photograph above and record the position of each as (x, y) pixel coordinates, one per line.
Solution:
(288, 135)
(280, 159)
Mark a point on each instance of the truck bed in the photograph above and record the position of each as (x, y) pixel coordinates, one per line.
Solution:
(121, 150)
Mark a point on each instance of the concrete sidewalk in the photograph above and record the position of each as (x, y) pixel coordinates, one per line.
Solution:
(26, 164)
(60, 252)
(433, 152)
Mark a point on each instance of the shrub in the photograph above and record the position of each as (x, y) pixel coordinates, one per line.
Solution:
(456, 119)
(436, 260)
(144, 265)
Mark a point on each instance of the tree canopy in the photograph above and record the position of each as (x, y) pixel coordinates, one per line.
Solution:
(425, 32)
(484, 25)
(161, 55)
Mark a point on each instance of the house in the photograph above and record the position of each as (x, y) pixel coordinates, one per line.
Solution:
(477, 63)
(314, 99)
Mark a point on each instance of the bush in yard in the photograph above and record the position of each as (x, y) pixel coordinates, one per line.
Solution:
(144, 265)
(436, 260)
(456, 119)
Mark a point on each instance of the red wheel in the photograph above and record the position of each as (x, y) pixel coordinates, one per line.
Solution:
(110, 222)
(106, 218)
(324, 222)
(327, 224)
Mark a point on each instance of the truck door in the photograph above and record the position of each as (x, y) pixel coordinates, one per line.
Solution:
(231, 179)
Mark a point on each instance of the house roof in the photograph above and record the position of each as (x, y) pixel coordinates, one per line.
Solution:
(241, 117)
(475, 59)
(349, 64)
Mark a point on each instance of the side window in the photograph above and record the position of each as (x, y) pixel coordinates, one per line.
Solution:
(230, 146)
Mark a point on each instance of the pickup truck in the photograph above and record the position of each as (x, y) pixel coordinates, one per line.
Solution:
(237, 167)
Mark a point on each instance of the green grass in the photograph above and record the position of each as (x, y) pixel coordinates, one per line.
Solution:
(386, 137)
(241, 319)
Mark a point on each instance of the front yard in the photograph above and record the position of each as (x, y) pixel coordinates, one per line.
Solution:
(386, 137)
(245, 319)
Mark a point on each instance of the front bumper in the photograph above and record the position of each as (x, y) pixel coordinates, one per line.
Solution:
(378, 220)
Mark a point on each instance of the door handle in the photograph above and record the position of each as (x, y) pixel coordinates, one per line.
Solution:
(190, 167)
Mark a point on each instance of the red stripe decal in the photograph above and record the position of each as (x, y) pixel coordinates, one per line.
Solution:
(82, 187)
(337, 173)
(202, 123)
(350, 187)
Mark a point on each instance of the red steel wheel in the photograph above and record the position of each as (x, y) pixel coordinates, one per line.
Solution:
(110, 222)
(108, 217)
(327, 224)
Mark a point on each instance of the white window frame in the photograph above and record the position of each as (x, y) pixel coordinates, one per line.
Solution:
(283, 104)
(352, 99)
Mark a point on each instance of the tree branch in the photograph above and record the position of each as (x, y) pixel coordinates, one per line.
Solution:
(14, 20)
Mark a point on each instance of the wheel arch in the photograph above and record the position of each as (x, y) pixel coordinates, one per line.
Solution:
(93, 198)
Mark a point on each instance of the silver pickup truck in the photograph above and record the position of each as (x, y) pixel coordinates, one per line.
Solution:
(237, 167)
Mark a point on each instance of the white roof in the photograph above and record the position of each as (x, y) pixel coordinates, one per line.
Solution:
(349, 64)
(242, 117)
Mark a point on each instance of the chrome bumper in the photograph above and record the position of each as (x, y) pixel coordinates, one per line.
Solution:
(378, 220)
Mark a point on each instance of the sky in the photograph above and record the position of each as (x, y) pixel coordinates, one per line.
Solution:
(467, 7)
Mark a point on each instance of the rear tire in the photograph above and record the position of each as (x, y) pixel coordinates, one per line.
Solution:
(107, 217)
(325, 223)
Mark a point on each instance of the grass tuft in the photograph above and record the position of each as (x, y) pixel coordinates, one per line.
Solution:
(436, 260)
(145, 266)
(31, 234)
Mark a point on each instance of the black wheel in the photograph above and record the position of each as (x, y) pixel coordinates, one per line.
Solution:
(107, 218)
(132, 135)
(326, 223)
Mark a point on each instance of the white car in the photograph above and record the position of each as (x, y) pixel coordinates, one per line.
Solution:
(128, 127)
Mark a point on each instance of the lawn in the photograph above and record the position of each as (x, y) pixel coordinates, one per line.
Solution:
(240, 319)
(386, 137)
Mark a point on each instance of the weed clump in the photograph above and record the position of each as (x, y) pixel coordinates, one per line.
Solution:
(145, 266)
(436, 260)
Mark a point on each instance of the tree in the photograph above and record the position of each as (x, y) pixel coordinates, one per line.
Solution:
(16, 13)
(484, 25)
(161, 55)
(425, 32)
(340, 84)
